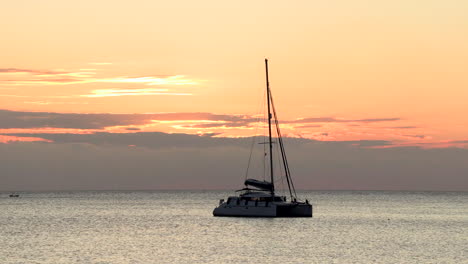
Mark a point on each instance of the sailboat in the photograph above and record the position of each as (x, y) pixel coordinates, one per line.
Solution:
(259, 198)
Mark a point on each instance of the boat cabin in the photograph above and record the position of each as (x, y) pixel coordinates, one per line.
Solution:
(254, 199)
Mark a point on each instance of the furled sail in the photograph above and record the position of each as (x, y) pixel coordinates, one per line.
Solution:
(263, 185)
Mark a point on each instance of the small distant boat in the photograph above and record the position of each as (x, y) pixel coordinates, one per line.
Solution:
(14, 195)
(258, 198)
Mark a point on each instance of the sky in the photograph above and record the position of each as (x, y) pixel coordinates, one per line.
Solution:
(376, 80)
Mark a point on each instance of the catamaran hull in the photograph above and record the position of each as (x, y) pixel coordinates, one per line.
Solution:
(274, 210)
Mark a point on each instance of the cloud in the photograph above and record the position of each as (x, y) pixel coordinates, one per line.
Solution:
(10, 139)
(149, 80)
(50, 102)
(32, 77)
(370, 143)
(337, 120)
(235, 124)
(142, 139)
(130, 92)
(459, 141)
(14, 95)
(308, 126)
(48, 81)
(36, 72)
(100, 63)
(12, 122)
(12, 119)
(194, 123)
(16, 119)
(51, 77)
(178, 140)
(416, 136)
(47, 130)
(403, 127)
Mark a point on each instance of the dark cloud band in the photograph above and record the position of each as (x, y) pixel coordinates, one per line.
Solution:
(16, 119)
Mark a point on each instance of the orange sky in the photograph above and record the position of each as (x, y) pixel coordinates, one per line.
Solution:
(394, 71)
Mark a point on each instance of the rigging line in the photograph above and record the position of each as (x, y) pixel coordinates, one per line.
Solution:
(264, 162)
(283, 154)
(286, 164)
(250, 158)
(279, 157)
(253, 140)
(280, 167)
(264, 155)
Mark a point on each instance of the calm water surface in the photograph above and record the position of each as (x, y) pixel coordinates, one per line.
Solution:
(178, 227)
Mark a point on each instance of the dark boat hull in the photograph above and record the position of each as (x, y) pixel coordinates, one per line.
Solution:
(272, 210)
(298, 210)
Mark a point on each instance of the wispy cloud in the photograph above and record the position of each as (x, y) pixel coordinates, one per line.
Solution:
(130, 92)
(100, 63)
(53, 103)
(339, 120)
(402, 127)
(17, 123)
(32, 77)
(9, 139)
(84, 76)
(36, 72)
(308, 126)
(417, 136)
(47, 130)
(11, 77)
(434, 144)
(14, 95)
(15, 119)
(168, 80)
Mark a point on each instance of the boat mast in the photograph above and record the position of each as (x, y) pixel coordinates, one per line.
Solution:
(269, 129)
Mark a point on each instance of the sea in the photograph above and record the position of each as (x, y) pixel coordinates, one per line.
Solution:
(178, 227)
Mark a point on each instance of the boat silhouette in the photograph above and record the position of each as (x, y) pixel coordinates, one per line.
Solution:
(258, 198)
